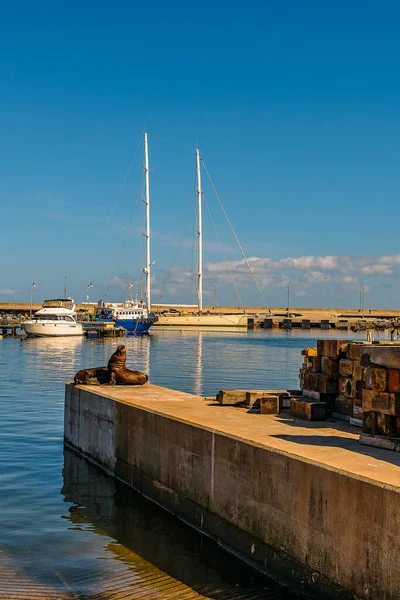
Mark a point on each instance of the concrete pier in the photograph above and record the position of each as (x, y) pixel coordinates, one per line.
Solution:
(309, 506)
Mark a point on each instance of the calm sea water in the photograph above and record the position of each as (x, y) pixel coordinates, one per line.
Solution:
(68, 530)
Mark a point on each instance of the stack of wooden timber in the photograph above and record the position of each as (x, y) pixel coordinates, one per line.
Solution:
(359, 380)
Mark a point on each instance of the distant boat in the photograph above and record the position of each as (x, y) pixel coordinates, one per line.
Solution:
(134, 315)
(56, 318)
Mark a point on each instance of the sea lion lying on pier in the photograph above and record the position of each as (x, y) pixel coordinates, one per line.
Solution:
(115, 372)
(97, 376)
(118, 370)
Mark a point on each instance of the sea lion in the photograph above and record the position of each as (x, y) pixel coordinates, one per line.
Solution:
(97, 376)
(118, 370)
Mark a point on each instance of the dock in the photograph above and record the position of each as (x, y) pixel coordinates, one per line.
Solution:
(10, 329)
(303, 502)
(96, 329)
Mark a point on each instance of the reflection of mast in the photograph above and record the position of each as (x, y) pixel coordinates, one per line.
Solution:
(197, 388)
(146, 354)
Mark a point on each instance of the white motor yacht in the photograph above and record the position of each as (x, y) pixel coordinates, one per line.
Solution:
(56, 318)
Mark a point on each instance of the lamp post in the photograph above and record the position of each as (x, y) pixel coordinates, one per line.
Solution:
(362, 289)
(89, 287)
(215, 294)
(288, 297)
(33, 284)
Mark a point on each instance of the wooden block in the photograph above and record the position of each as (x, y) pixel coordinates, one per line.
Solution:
(318, 382)
(387, 403)
(379, 380)
(347, 387)
(315, 365)
(231, 397)
(344, 405)
(358, 371)
(367, 399)
(312, 411)
(330, 348)
(355, 350)
(394, 380)
(329, 366)
(370, 423)
(346, 367)
(387, 356)
(269, 405)
(253, 397)
(309, 352)
(386, 424)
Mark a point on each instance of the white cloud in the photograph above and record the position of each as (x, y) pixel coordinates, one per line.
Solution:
(317, 277)
(7, 292)
(376, 270)
(336, 274)
(362, 264)
(390, 260)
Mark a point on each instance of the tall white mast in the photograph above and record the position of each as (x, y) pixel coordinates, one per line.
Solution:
(147, 235)
(200, 234)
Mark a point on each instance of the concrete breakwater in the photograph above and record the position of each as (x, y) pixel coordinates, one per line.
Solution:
(306, 505)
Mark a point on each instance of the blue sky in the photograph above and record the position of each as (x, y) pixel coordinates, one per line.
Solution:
(295, 107)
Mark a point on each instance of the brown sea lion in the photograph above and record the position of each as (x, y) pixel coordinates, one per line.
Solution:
(118, 370)
(97, 376)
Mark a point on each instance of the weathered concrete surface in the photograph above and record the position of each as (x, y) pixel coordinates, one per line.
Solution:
(303, 503)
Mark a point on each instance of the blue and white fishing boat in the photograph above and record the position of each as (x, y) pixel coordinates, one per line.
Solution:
(132, 315)
(135, 316)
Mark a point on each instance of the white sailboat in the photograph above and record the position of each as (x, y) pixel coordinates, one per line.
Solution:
(201, 319)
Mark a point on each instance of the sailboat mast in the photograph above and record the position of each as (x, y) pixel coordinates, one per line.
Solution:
(147, 235)
(200, 234)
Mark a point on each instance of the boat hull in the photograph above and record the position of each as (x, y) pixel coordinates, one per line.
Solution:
(133, 326)
(203, 321)
(51, 329)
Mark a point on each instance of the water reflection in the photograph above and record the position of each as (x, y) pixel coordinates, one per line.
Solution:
(152, 546)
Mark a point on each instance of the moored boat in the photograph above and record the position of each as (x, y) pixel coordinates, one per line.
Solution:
(56, 318)
(132, 315)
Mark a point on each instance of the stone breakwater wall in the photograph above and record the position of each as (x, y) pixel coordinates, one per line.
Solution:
(357, 379)
(312, 519)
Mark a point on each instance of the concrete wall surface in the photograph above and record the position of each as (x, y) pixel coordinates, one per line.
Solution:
(321, 529)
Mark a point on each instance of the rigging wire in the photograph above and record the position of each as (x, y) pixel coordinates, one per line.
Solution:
(179, 250)
(120, 252)
(235, 236)
(126, 230)
(118, 196)
(224, 255)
